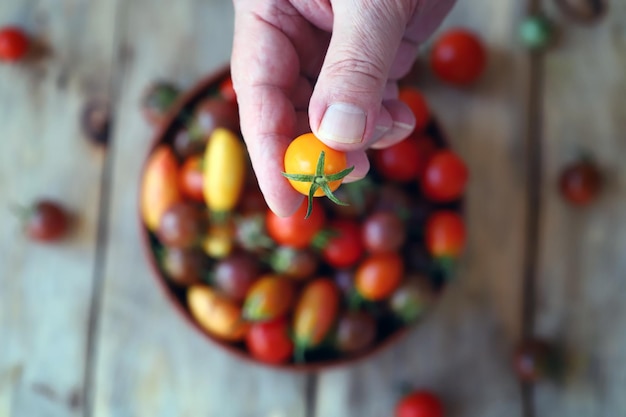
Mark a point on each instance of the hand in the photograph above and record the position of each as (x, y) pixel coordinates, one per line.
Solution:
(326, 66)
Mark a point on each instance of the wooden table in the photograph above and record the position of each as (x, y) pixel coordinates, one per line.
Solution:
(84, 330)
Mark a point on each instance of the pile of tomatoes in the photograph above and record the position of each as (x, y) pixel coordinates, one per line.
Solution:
(293, 290)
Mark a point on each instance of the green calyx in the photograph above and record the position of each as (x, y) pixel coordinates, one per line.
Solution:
(320, 180)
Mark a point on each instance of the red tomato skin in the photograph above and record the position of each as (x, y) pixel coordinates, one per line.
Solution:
(420, 404)
(295, 230)
(346, 249)
(445, 177)
(316, 312)
(445, 234)
(405, 161)
(13, 44)
(269, 342)
(191, 179)
(418, 105)
(458, 57)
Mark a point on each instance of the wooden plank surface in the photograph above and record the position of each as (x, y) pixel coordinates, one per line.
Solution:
(151, 362)
(45, 291)
(462, 351)
(582, 275)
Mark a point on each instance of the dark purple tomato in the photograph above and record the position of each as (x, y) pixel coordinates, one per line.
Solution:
(344, 279)
(182, 226)
(580, 183)
(356, 331)
(383, 231)
(185, 145)
(212, 113)
(294, 263)
(391, 197)
(157, 101)
(184, 266)
(536, 359)
(235, 274)
(412, 298)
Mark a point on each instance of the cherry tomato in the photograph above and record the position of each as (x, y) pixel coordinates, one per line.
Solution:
(458, 57)
(187, 145)
(269, 298)
(182, 225)
(445, 177)
(445, 234)
(580, 183)
(13, 44)
(235, 274)
(345, 247)
(216, 314)
(269, 342)
(356, 331)
(393, 198)
(536, 359)
(191, 179)
(378, 276)
(227, 91)
(158, 100)
(383, 231)
(184, 266)
(295, 230)
(315, 314)
(301, 158)
(418, 105)
(420, 404)
(412, 298)
(294, 263)
(45, 220)
(406, 160)
(213, 113)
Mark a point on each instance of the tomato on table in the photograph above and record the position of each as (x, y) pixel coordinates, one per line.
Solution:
(418, 105)
(406, 160)
(314, 169)
(445, 177)
(269, 342)
(420, 404)
(458, 57)
(378, 276)
(44, 221)
(345, 246)
(191, 179)
(580, 182)
(445, 234)
(14, 44)
(295, 230)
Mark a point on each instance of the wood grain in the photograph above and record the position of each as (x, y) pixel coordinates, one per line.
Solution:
(582, 275)
(149, 360)
(462, 351)
(45, 291)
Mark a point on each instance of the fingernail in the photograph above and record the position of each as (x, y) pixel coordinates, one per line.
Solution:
(398, 132)
(343, 123)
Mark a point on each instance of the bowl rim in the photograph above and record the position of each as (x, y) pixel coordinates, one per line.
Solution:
(195, 92)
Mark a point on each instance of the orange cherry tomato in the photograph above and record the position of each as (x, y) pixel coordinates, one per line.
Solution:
(378, 276)
(295, 230)
(269, 298)
(416, 102)
(191, 179)
(445, 234)
(216, 314)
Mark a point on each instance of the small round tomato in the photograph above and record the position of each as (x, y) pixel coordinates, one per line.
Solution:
(297, 264)
(458, 57)
(383, 231)
(445, 177)
(269, 342)
(356, 331)
(306, 171)
(158, 100)
(234, 275)
(580, 182)
(182, 226)
(45, 220)
(184, 267)
(270, 297)
(406, 160)
(345, 246)
(418, 105)
(378, 276)
(420, 404)
(13, 44)
(295, 230)
(191, 179)
(445, 234)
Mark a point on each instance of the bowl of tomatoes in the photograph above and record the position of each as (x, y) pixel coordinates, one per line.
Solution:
(339, 280)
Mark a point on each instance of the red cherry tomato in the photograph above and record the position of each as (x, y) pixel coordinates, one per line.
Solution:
(295, 230)
(580, 182)
(345, 249)
(191, 179)
(406, 160)
(420, 404)
(416, 102)
(269, 342)
(445, 234)
(227, 91)
(378, 276)
(13, 44)
(458, 57)
(445, 177)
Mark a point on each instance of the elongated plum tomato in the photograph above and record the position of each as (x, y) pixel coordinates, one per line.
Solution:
(191, 179)
(458, 57)
(445, 234)
(216, 314)
(314, 169)
(159, 187)
(315, 314)
(295, 230)
(445, 177)
(269, 298)
(269, 342)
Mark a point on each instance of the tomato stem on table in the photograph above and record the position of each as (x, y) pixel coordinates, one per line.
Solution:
(320, 180)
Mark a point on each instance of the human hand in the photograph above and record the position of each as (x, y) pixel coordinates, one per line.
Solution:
(326, 66)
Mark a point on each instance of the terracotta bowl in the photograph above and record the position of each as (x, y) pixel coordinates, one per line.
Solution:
(176, 295)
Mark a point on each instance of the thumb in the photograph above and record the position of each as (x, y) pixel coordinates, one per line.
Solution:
(345, 110)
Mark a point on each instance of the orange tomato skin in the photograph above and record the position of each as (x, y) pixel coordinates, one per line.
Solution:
(216, 314)
(302, 156)
(316, 312)
(270, 297)
(159, 186)
(378, 276)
